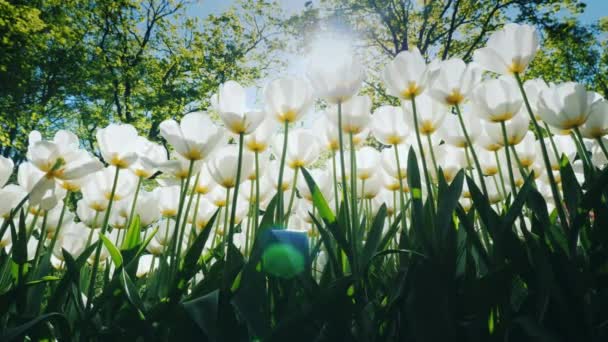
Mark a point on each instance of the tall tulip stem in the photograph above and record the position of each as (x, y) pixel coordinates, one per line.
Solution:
(279, 215)
(256, 213)
(503, 127)
(182, 229)
(582, 150)
(292, 196)
(552, 183)
(234, 202)
(135, 196)
(401, 189)
(343, 174)
(472, 149)
(182, 198)
(104, 228)
(429, 188)
(603, 147)
(353, 188)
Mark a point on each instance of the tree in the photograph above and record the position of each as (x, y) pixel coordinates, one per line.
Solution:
(81, 64)
(454, 28)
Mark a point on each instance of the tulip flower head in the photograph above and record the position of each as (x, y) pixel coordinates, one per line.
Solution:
(497, 100)
(454, 81)
(149, 156)
(287, 99)
(333, 70)
(259, 139)
(431, 114)
(232, 108)
(117, 144)
(355, 114)
(194, 137)
(596, 125)
(566, 105)
(509, 50)
(6, 169)
(302, 148)
(389, 126)
(408, 75)
(224, 164)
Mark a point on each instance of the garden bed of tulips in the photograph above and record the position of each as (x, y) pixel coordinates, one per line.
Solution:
(475, 211)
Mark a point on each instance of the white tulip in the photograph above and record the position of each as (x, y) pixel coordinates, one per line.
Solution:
(302, 148)
(149, 156)
(232, 108)
(389, 126)
(430, 112)
(117, 144)
(355, 114)
(451, 130)
(145, 265)
(454, 81)
(566, 105)
(287, 99)
(509, 50)
(260, 138)
(6, 169)
(407, 75)
(224, 164)
(194, 137)
(497, 100)
(334, 71)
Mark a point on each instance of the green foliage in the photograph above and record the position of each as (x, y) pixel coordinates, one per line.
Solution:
(81, 64)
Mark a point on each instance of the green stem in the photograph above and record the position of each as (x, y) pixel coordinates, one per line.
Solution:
(176, 231)
(552, 142)
(432, 151)
(336, 194)
(226, 213)
(424, 166)
(582, 150)
(508, 156)
(256, 215)
(470, 146)
(552, 183)
(502, 178)
(60, 222)
(139, 181)
(279, 214)
(235, 197)
(182, 230)
(41, 240)
(104, 228)
(401, 189)
(518, 161)
(343, 171)
(353, 190)
(292, 196)
(603, 147)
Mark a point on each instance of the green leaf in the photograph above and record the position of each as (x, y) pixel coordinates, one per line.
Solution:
(415, 185)
(61, 325)
(133, 235)
(72, 276)
(19, 239)
(114, 252)
(571, 189)
(188, 266)
(487, 215)
(44, 279)
(393, 229)
(318, 200)
(203, 311)
(373, 238)
(447, 200)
